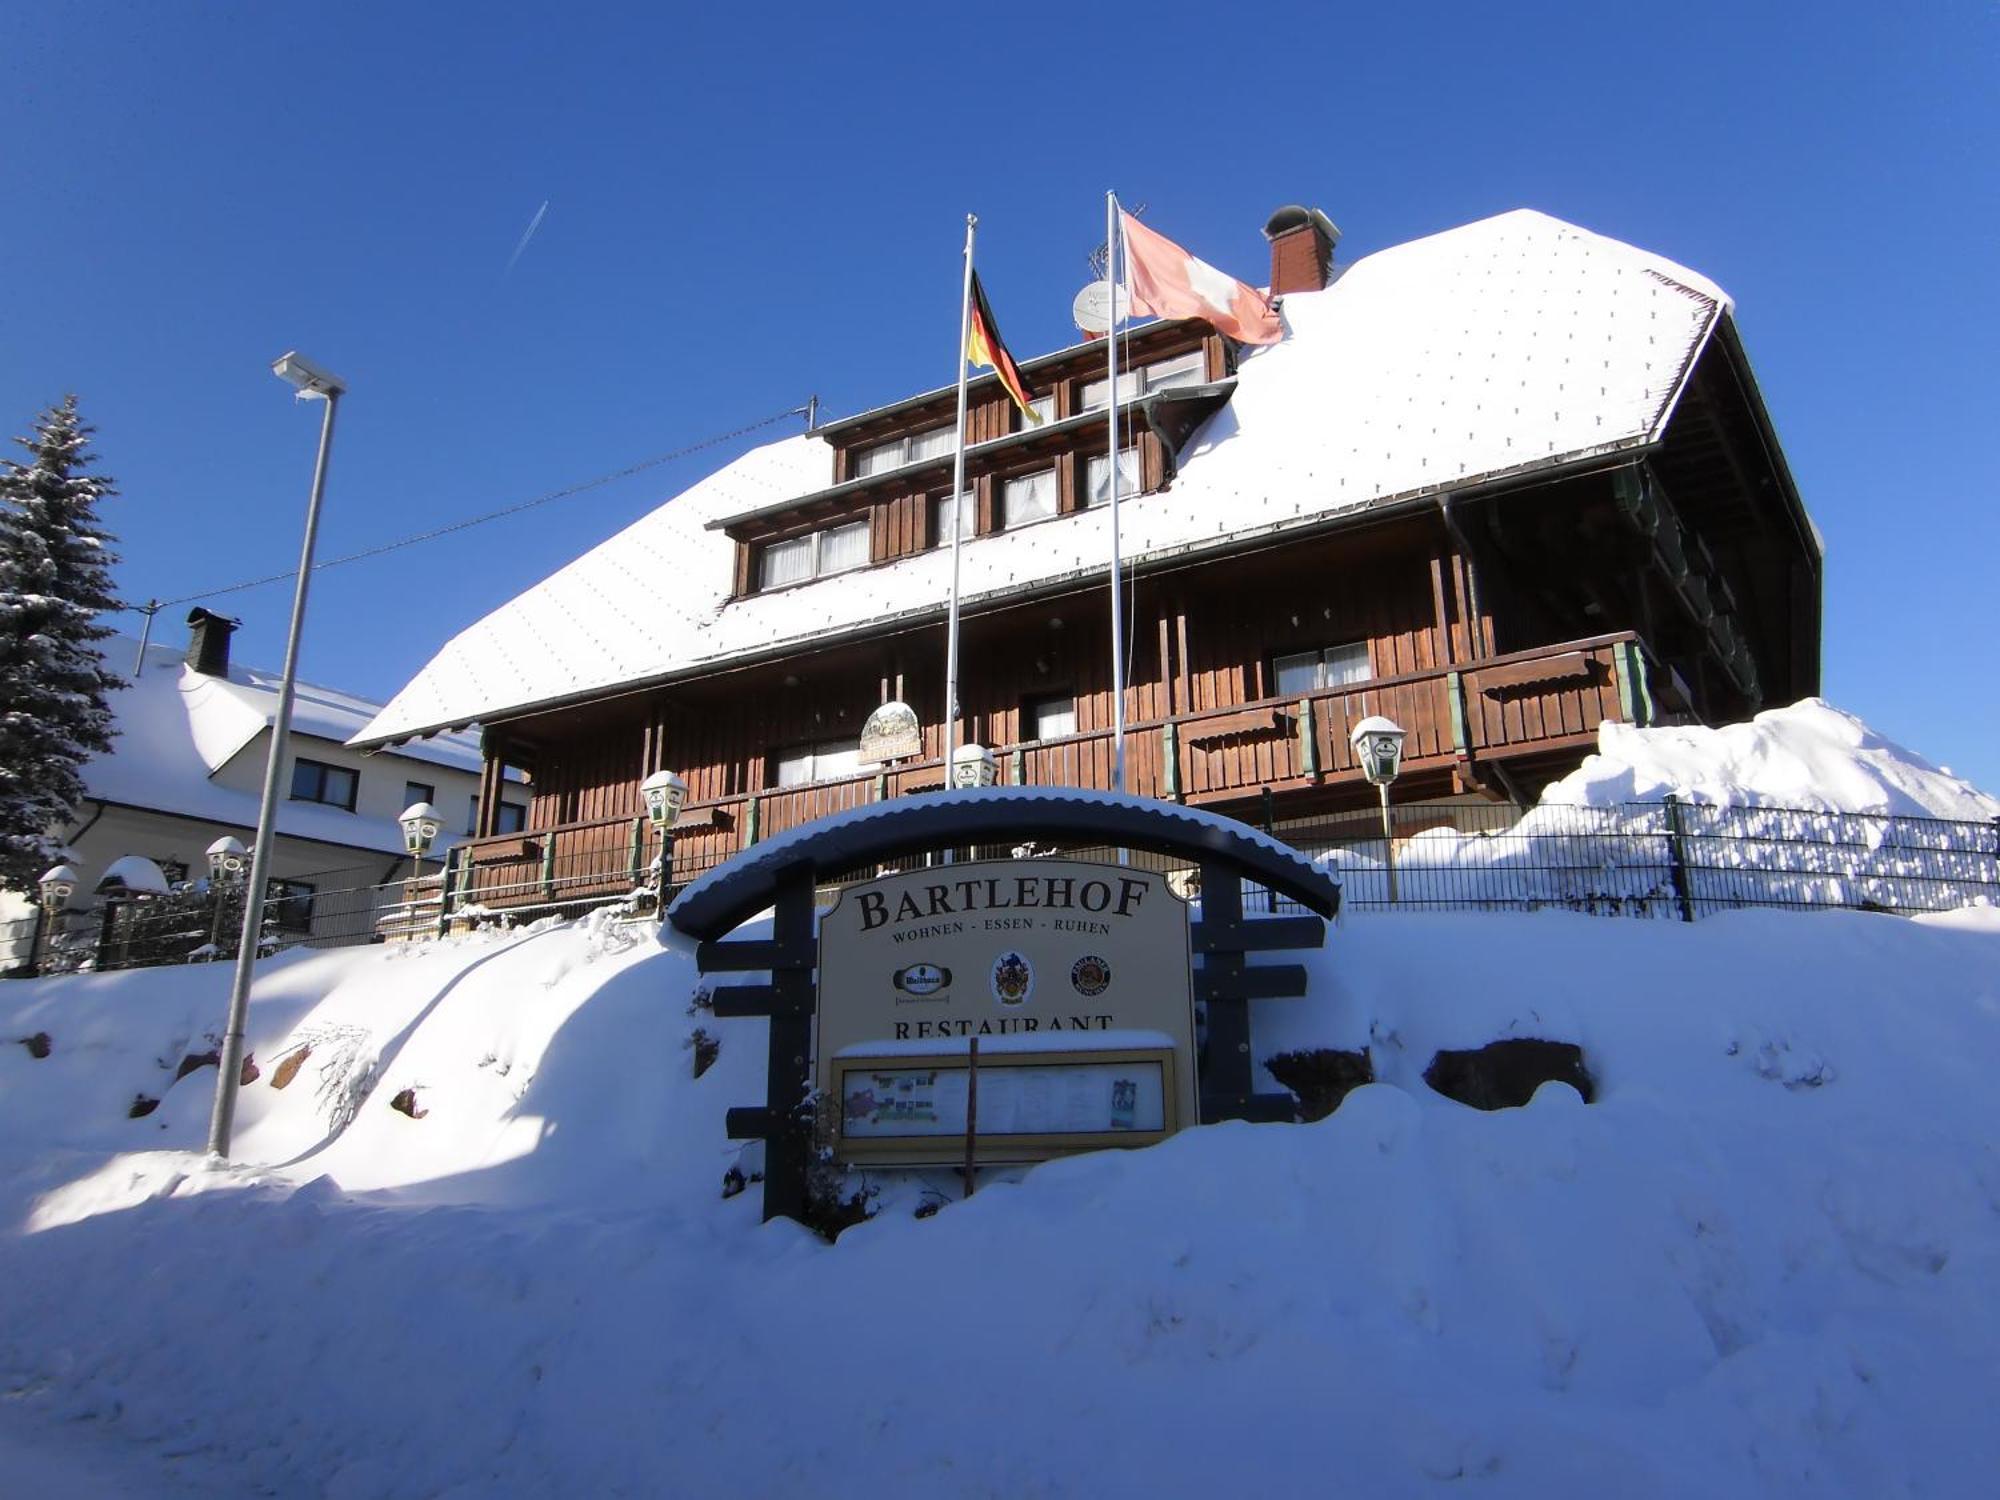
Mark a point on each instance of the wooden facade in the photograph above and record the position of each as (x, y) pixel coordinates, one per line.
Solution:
(1500, 625)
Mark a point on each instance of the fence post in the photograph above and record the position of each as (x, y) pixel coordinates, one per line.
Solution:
(548, 866)
(448, 886)
(1170, 759)
(636, 853)
(750, 821)
(1677, 857)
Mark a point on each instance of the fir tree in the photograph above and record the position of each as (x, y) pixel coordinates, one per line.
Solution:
(55, 581)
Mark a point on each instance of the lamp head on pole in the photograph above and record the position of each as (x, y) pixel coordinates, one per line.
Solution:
(308, 378)
(227, 860)
(666, 794)
(58, 885)
(973, 765)
(421, 823)
(1378, 743)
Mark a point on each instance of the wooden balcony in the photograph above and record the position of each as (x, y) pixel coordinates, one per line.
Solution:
(1510, 710)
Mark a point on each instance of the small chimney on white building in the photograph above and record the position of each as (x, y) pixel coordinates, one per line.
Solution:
(208, 642)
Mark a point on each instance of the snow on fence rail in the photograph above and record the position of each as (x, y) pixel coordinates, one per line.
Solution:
(1658, 859)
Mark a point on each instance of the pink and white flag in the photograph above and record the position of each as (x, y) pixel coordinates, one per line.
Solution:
(1167, 282)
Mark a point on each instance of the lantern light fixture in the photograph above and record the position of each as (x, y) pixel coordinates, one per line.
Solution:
(972, 766)
(666, 794)
(421, 825)
(228, 860)
(58, 885)
(1378, 742)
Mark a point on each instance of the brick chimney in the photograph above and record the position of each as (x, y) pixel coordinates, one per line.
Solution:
(1302, 241)
(208, 642)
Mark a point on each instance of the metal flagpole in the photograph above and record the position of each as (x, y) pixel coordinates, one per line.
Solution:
(954, 509)
(1111, 451)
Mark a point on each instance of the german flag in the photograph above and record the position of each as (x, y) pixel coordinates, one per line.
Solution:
(983, 346)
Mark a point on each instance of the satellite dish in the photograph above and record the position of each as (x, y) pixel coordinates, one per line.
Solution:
(1092, 308)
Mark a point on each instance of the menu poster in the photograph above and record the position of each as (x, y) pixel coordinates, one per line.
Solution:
(884, 1101)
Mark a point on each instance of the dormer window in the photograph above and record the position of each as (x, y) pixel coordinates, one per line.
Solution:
(903, 451)
(814, 555)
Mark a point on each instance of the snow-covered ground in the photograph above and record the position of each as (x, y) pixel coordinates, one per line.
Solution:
(1763, 1261)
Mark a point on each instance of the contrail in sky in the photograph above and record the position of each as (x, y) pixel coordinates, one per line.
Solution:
(533, 224)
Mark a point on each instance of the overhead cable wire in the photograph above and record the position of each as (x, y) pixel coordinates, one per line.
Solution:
(154, 606)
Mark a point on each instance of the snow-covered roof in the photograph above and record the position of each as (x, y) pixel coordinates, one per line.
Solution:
(177, 727)
(1507, 345)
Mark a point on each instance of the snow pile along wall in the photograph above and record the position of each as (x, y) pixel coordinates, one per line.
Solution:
(1809, 755)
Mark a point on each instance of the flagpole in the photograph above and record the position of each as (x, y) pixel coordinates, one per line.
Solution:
(1111, 451)
(953, 509)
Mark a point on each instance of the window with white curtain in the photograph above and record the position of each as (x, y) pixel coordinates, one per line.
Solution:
(1050, 718)
(898, 452)
(1331, 667)
(941, 513)
(834, 550)
(1162, 375)
(825, 761)
(1032, 497)
(1097, 477)
(1043, 407)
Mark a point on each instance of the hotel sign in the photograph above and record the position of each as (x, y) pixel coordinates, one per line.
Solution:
(1075, 978)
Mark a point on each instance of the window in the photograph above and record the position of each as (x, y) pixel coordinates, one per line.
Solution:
(511, 817)
(416, 791)
(941, 519)
(1030, 498)
(1043, 407)
(814, 555)
(288, 905)
(1164, 375)
(1335, 666)
(1097, 477)
(821, 762)
(898, 452)
(1051, 718)
(314, 781)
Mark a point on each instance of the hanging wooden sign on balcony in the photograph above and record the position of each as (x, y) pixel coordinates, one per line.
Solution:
(891, 733)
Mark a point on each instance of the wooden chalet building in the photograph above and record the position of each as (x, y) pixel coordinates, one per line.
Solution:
(1501, 484)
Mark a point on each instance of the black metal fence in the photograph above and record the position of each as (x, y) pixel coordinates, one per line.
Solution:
(1673, 860)
(203, 922)
(1669, 859)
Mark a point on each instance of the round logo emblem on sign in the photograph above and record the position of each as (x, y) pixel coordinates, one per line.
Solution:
(922, 979)
(1090, 975)
(1013, 978)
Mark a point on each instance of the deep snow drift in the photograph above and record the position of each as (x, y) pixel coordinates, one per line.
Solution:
(476, 1244)
(1809, 755)
(1761, 1262)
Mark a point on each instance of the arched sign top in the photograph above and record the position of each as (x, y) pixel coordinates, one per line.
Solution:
(732, 893)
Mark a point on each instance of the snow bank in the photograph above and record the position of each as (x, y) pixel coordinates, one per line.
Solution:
(1762, 1262)
(1810, 755)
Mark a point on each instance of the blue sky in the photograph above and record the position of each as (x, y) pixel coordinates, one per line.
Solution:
(748, 206)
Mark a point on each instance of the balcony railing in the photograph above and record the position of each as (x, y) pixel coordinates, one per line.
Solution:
(1514, 706)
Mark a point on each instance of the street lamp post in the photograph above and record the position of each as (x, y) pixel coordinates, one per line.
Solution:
(1378, 742)
(311, 382)
(666, 794)
(226, 864)
(421, 823)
